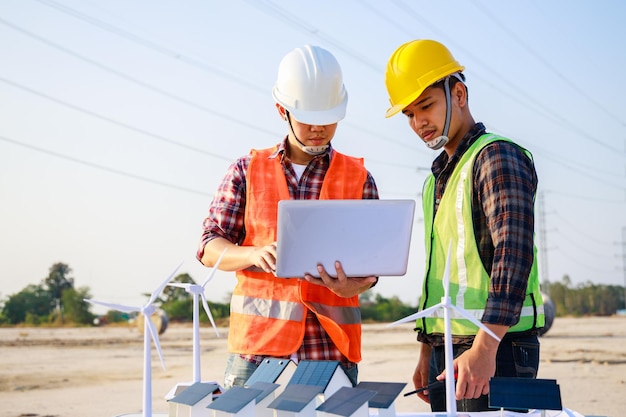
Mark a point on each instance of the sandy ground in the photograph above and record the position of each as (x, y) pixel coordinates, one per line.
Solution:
(97, 372)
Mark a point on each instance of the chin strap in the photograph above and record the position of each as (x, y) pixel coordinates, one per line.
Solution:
(440, 141)
(310, 150)
(437, 143)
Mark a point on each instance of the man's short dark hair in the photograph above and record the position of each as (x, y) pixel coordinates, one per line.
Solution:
(454, 79)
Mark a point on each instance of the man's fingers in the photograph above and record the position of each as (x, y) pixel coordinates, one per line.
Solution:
(339, 269)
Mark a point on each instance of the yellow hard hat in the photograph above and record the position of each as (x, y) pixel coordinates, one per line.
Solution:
(413, 67)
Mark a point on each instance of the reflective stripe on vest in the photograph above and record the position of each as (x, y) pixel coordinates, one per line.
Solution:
(275, 309)
(469, 282)
(267, 313)
(285, 310)
(478, 314)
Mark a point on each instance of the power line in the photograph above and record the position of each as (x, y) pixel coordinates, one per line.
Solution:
(535, 105)
(574, 227)
(115, 122)
(194, 62)
(573, 241)
(135, 80)
(574, 166)
(281, 14)
(270, 8)
(228, 74)
(297, 23)
(169, 52)
(100, 167)
(586, 198)
(547, 63)
(576, 260)
(165, 93)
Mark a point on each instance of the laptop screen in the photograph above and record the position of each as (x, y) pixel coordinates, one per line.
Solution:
(368, 237)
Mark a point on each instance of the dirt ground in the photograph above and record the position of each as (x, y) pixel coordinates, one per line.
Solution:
(98, 372)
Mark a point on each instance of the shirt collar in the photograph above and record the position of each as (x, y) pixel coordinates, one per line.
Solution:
(470, 137)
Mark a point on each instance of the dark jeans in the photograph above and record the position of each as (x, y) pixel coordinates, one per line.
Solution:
(518, 356)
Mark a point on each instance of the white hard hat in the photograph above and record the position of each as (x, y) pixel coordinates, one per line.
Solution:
(310, 86)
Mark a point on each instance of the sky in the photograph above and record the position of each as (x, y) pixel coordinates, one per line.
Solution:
(118, 119)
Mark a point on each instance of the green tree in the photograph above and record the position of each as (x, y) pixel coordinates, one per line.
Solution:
(170, 293)
(220, 311)
(179, 310)
(558, 295)
(58, 280)
(182, 310)
(613, 299)
(33, 301)
(585, 299)
(75, 309)
(383, 309)
(178, 303)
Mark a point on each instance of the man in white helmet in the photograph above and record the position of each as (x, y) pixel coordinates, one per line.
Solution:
(311, 318)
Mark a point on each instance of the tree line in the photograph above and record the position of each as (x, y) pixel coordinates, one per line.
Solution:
(587, 299)
(56, 301)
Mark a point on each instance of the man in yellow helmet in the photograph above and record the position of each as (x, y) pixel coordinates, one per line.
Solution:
(478, 200)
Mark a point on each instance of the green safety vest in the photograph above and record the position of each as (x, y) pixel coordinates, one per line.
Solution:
(469, 281)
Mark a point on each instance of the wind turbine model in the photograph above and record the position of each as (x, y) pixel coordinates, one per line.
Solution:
(148, 330)
(448, 308)
(198, 291)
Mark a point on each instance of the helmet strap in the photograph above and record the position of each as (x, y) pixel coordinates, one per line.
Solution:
(439, 142)
(309, 150)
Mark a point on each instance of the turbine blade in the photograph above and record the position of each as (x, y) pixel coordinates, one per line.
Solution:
(155, 338)
(217, 264)
(417, 315)
(475, 321)
(118, 307)
(158, 291)
(208, 313)
(179, 284)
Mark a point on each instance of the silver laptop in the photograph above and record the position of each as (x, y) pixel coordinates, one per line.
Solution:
(369, 237)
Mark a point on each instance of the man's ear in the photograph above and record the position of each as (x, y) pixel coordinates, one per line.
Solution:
(459, 94)
(281, 111)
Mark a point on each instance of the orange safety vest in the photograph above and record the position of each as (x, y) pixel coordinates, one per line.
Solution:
(268, 314)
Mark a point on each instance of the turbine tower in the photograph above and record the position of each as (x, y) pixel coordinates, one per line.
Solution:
(197, 291)
(448, 309)
(149, 331)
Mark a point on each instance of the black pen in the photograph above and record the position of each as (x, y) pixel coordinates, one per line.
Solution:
(429, 386)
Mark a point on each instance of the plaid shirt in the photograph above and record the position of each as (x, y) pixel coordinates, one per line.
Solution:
(505, 183)
(226, 220)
